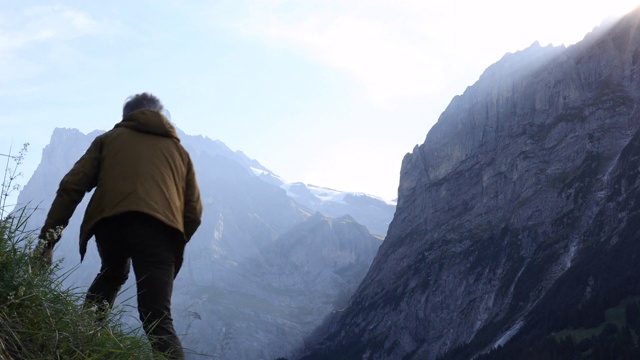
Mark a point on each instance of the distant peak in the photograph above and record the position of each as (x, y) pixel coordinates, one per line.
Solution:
(70, 135)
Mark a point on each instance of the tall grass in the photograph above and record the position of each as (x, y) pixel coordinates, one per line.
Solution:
(9, 176)
(39, 318)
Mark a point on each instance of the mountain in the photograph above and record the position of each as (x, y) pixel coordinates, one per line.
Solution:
(517, 220)
(370, 211)
(304, 274)
(262, 271)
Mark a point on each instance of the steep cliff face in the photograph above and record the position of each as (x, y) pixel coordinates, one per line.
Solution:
(498, 205)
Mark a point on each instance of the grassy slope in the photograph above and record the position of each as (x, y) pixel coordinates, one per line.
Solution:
(41, 320)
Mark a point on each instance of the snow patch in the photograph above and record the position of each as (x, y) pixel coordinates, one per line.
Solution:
(509, 334)
(327, 194)
(259, 172)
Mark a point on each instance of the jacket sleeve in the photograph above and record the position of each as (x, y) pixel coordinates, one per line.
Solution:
(192, 204)
(82, 178)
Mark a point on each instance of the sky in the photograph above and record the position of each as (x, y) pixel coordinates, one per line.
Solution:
(327, 92)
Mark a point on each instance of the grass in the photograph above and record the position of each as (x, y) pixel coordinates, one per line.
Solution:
(39, 319)
(614, 315)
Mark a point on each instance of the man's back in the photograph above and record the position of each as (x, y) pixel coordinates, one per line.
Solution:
(142, 169)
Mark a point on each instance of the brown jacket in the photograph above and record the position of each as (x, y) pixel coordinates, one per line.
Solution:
(139, 165)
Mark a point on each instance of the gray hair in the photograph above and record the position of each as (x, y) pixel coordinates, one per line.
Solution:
(142, 101)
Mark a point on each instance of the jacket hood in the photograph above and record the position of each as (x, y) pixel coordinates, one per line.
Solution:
(150, 122)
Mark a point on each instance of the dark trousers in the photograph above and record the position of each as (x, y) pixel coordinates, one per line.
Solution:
(155, 250)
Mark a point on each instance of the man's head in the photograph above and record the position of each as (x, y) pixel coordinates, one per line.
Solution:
(142, 101)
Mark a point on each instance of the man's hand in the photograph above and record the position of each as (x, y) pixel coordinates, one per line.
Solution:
(46, 254)
(43, 253)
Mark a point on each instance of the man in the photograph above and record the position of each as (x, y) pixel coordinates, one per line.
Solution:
(145, 207)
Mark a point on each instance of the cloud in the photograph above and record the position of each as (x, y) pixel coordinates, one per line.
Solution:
(406, 49)
(32, 38)
(388, 58)
(45, 23)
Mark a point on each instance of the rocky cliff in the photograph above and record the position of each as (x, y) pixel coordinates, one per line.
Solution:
(527, 179)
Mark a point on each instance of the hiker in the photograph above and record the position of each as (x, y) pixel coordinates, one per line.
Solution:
(145, 208)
